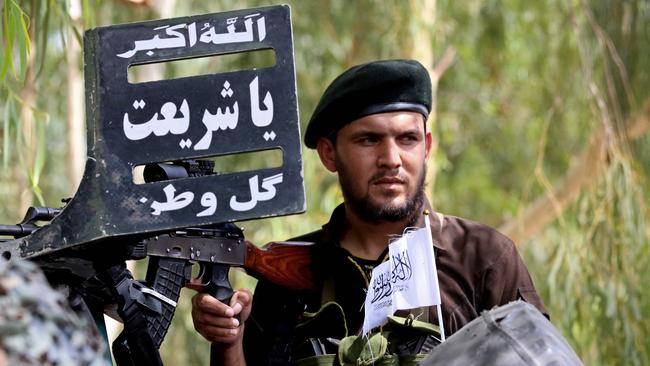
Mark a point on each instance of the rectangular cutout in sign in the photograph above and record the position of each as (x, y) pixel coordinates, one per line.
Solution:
(223, 164)
(196, 66)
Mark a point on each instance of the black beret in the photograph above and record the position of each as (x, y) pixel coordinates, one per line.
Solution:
(374, 87)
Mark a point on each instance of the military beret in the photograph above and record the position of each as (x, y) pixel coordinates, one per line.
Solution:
(374, 87)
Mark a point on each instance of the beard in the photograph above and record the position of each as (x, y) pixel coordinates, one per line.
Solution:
(372, 212)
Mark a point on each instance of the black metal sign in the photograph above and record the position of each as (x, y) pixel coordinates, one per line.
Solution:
(132, 124)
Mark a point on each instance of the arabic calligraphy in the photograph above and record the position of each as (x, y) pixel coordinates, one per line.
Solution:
(385, 283)
(405, 280)
(171, 119)
(268, 184)
(209, 201)
(219, 121)
(382, 287)
(160, 127)
(174, 36)
(173, 202)
(401, 266)
(261, 118)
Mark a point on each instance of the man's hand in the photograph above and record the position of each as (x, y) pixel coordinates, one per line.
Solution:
(218, 322)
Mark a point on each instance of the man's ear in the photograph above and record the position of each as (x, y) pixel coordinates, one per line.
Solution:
(428, 140)
(327, 153)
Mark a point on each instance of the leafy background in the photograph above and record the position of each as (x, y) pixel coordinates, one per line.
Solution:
(541, 122)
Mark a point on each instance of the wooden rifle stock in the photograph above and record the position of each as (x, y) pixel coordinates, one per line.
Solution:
(287, 264)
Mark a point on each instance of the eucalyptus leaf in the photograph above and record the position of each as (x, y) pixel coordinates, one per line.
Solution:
(9, 33)
(23, 41)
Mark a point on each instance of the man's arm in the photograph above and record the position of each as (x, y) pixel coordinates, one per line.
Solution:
(508, 279)
(223, 325)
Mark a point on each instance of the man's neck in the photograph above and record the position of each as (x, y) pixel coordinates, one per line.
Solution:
(368, 240)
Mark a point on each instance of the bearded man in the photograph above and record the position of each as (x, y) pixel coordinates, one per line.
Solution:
(370, 128)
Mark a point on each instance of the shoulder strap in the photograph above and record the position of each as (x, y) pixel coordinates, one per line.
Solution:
(327, 295)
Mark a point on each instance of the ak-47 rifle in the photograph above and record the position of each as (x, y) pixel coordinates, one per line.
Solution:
(180, 218)
(147, 307)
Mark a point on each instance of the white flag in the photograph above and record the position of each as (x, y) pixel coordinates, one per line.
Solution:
(415, 281)
(379, 299)
(408, 280)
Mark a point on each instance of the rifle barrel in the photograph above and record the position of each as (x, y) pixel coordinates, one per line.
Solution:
(18, 230)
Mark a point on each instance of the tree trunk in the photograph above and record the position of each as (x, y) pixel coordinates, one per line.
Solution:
(420, 48)
(28, 145)
(76, 143)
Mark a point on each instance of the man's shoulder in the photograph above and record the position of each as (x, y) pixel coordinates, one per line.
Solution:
(312, 237)
(464, 234)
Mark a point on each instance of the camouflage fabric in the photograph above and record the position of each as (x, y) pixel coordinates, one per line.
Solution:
(37, 325)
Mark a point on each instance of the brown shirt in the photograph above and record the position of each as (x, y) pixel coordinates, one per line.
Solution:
(478, 269)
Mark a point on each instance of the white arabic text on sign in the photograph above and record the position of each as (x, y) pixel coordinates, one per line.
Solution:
(159, 127)
(219, 121)
(268, 184)
(209, 201)
(174, 37)
(261, 118)
(225, 118)
(173, 202)
(264, 192)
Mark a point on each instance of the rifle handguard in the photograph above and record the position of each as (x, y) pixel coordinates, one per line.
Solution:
(287, 264)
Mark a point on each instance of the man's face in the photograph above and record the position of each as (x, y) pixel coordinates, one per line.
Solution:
(381, 162)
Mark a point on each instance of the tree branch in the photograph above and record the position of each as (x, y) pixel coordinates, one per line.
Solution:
(590, 165)
(448, 58)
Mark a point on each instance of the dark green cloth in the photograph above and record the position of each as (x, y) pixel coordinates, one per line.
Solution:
(373, 87)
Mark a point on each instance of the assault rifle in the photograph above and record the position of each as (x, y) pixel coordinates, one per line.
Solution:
(174, 219)
(104, 284)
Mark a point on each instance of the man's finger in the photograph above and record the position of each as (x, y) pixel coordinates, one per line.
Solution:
(208, 304)
(195, 284)
(215, 321)
(242, 296)
(241, 300)
(218, 334)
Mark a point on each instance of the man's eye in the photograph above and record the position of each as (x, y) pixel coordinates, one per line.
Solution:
(367, 140)
(409, 139)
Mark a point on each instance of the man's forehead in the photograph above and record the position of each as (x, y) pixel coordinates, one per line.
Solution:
(390, 122)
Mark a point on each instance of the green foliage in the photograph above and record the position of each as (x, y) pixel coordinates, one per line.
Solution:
(593, 267)
(30, 31)
(15, 39)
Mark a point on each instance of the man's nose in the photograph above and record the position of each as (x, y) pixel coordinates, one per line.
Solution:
(389, 155)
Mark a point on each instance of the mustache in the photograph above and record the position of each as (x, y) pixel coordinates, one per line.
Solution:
(388, 175)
